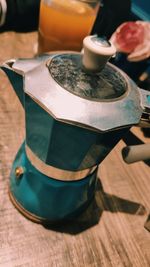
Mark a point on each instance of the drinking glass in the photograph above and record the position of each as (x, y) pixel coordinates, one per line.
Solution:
(63, 24)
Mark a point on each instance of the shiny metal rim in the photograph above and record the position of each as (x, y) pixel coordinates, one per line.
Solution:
(56, 173)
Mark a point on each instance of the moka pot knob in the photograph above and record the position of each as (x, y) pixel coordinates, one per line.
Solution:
(97, 51)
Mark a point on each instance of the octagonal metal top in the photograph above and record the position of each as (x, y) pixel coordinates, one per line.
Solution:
(101, 101)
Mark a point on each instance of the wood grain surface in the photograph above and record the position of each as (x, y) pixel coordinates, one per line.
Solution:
(110, 233)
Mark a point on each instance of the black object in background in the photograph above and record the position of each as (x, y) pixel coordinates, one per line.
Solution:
(22, 16)
(111, 14)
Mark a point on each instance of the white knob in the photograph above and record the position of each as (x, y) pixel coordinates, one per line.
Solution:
(97, 51)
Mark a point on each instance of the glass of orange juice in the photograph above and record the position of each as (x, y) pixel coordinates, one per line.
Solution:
(63, 24)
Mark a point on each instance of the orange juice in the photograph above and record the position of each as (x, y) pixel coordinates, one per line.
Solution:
(64, 24)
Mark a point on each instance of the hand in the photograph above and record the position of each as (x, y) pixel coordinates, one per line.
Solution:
(142, 51)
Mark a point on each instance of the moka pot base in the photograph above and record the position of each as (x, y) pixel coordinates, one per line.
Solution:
(43, 199)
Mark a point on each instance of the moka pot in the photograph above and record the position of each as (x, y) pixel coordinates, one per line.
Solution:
(77, 108)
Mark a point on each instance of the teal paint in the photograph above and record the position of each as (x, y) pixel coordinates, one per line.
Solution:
(47, 198)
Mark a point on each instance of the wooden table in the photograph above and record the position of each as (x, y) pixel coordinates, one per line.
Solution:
(111, 233)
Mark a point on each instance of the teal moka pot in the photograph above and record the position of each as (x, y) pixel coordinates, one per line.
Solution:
(77, 107)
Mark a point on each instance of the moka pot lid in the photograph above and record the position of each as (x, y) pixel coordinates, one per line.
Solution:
(103, 100)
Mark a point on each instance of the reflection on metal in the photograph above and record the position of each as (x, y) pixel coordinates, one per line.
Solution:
(68, 72)
(56, 173)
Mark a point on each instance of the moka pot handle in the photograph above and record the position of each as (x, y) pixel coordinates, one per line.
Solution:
(145, 104)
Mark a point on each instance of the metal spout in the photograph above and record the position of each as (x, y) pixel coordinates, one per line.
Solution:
(16, 70)
(15, 78)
